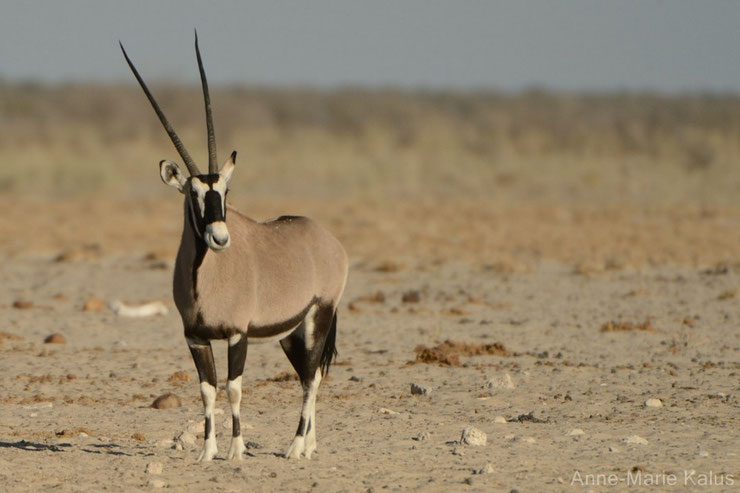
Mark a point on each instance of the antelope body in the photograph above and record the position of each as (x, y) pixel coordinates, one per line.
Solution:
(247, 281)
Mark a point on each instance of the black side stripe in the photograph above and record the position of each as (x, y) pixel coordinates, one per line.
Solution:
(280, 327)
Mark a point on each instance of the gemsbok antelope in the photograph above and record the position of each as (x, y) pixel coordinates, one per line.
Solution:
(247, 281)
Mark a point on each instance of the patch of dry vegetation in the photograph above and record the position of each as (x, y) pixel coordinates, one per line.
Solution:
(596, 181)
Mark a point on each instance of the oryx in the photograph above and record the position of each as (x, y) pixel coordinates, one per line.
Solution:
(247, 281)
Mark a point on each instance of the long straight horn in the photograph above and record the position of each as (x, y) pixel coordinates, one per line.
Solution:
(212, 162)
(165, 123)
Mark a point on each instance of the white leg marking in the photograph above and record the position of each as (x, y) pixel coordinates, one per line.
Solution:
(311, 437)
(306, 444)
(233, 340)
(208, 393)
(309, 326)
(234, 389)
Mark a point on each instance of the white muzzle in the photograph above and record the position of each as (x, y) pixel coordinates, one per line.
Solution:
(217, 236)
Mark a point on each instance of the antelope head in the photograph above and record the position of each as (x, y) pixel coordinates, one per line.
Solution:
(205, 194)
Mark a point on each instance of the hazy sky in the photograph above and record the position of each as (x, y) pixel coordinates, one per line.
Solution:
(668, 45)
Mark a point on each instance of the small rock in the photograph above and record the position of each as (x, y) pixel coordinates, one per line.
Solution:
(458, 451)
(424, 435)
(653, 403)
(473, 436)
(384, 410)
(166, 401)
(636, 440)
(500, 420)
(487, 469)
(157, 483)
(139, 437)
(56, 338)
(419, 390)
(613, 449)
(503, 382)
(468, 480)
(184, 441)
(412, 296)
(575, 432)
(354, 378)
(154, 468)
(22, 304)
(253, 445)
(528, 440)
(94, 304)
(197, 427)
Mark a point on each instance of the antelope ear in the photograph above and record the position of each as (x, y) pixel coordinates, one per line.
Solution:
(228, 168)
(171, 174)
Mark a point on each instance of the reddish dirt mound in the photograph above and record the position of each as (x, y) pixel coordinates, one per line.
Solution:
(448, 353)
(612, 326)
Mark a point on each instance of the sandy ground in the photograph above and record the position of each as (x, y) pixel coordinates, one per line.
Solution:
(77, 416)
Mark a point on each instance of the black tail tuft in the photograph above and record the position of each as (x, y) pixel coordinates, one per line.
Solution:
(330, 348)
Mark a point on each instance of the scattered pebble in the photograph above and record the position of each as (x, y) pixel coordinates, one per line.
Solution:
(420, 390)
(354, 378)
(473, 436)
(576, 432)
(613, 449)
(384, 410)
(197, 427)
(56, 338)
(253, 445)
(468, 480)
(636, 440)
(22, 304)
(412, 296)
(154, 468)
(166, 401)
(424, 435)
(157, 483)
(93, 304)
(500, 420)
(503, 382)
(487, 469)
(458, 451)
(184, 441)
(653, 403)
(139, 437)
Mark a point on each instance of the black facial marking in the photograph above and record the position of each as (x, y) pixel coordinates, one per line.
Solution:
(214, 212)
